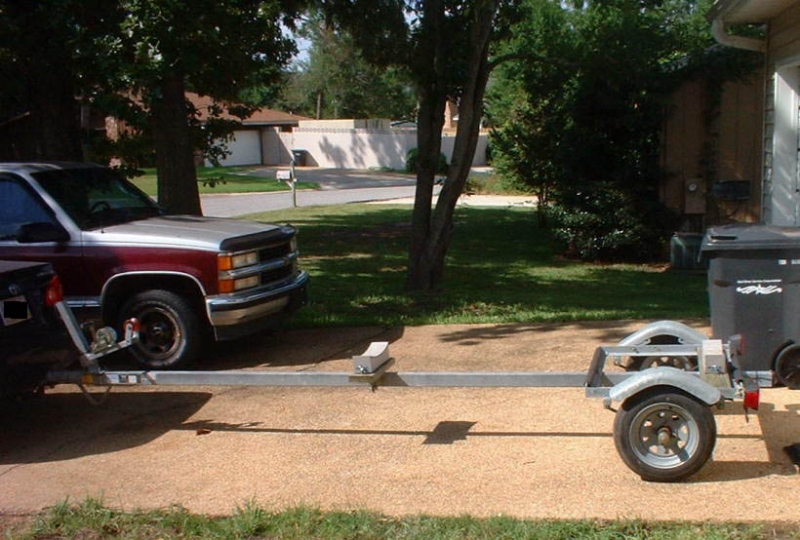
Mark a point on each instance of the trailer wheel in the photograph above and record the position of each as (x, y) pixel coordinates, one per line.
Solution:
(664, 435)
(639, 363)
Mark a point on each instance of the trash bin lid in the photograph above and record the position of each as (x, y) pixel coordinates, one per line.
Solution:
(750, 237)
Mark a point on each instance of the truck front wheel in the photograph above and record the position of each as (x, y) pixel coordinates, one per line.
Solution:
(171, 335)
(664, 435)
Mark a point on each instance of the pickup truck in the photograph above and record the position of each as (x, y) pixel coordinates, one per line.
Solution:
(185, 278)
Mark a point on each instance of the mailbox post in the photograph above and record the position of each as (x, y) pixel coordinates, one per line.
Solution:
(288, 176)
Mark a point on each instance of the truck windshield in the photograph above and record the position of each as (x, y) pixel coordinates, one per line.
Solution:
(95, 198)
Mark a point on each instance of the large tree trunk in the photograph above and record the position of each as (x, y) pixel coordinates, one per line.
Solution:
(430, 120)
(432, 231)
(177, 178)
(55, 113)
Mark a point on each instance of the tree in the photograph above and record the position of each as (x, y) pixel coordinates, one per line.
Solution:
(335, 81)
(47, 61)
(138, 58)
(445, 45)
(525, 138)
(213, 47)
(592, 133)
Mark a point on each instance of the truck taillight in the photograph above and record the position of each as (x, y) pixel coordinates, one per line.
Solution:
(54, 292)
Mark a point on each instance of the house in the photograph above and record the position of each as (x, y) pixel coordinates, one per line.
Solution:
(264, 137)
(778, 193)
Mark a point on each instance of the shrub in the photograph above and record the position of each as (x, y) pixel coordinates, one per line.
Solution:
(412, 162)
(609, 224)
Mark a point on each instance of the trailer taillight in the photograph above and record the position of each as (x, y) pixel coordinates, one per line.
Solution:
(752, 399)
(54, 292)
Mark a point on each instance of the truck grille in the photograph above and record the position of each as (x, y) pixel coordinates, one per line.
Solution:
(278, 274)
(274, 252)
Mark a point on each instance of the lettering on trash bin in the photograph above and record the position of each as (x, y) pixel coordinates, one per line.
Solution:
(759, 287)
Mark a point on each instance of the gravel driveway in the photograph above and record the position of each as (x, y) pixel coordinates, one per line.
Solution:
(534, 453)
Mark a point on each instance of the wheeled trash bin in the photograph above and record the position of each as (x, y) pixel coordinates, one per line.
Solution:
(754, 291)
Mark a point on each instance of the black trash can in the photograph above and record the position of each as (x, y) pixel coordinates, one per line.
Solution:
(299, 157)
(754, 290)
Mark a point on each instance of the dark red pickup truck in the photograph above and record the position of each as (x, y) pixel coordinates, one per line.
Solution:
(185, 278)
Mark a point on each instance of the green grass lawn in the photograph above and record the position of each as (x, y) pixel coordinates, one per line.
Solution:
(91, 520)
(501, 269)
(224, 180)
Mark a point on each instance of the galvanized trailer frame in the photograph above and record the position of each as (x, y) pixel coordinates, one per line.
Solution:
(664, 429)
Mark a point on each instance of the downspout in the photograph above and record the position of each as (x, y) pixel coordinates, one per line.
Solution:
(720, 33)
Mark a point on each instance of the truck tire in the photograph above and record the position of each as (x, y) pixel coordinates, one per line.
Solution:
(171, 335)
(664, 435)
(787, 367)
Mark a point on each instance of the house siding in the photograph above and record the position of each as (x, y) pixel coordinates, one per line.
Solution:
(701, 149)
(780, 200)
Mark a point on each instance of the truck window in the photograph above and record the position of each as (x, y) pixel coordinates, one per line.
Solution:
(19, 206)
(96, 197)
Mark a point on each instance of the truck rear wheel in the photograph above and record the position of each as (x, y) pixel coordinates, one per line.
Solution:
(664, 435)
(171, 335)
(787, 367)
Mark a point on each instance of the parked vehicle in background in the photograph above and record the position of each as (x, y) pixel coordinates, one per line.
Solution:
(32, 338)
(185, 278)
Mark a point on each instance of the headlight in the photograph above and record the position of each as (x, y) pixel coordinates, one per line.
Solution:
(228, 261)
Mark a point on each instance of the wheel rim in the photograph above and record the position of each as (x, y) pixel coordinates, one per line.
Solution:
(664, 435)
(160, 334)
(679, 362)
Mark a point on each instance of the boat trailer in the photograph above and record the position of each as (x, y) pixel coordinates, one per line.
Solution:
(664, 428)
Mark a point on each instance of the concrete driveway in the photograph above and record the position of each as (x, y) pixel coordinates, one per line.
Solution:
(534, 453)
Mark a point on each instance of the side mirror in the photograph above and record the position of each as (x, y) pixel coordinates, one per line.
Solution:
(41, 231)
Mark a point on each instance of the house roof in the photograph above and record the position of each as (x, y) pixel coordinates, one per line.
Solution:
(261, 117)
(748, 11)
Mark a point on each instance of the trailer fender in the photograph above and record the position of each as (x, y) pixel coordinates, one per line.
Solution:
(664, 376)
(684, 334)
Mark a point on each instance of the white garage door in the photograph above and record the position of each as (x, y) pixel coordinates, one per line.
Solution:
(245, 149)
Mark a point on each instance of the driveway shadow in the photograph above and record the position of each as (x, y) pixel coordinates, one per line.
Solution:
(59, 427)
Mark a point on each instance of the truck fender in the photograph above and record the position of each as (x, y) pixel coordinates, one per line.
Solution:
(684, 334)
(685, 381)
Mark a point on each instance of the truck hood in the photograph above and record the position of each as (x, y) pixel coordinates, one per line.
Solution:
(188, 232)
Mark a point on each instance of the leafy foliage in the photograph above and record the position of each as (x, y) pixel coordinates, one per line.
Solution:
(412, 162)
(581, 124)
(136, 59)
(335, 81)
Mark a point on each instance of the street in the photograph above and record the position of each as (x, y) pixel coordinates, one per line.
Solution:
(337, 186)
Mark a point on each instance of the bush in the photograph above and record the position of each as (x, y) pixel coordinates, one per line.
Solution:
(608, 224)
(412, 162)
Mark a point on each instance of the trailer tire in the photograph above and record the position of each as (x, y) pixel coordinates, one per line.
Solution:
(171, 335)
(664, 435)
(639, 363)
